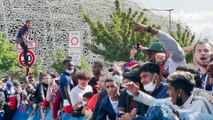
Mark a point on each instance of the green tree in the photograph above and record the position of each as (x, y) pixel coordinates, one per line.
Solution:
(84, 64)
(185, 38)
(8, 55)
(58, 59)
(36, 69)
(114, 39)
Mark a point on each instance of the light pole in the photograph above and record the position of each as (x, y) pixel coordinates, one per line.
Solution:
(169, 10)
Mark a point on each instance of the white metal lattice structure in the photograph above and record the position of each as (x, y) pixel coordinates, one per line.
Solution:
(52, 20)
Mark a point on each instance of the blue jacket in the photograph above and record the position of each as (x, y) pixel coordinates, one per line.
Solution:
(106, 110)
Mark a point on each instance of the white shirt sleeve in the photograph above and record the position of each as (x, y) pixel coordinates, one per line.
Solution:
(150, 101)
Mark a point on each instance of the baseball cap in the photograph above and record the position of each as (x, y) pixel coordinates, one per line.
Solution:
(155, 46)
(133, 75)
(9, 85)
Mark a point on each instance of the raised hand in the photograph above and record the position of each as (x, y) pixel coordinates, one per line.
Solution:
(160, 58)
(132, 88)
(132, 53)
(140, 27)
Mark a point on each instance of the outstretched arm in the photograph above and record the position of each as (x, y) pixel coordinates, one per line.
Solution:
(143, 97)
(170, 44)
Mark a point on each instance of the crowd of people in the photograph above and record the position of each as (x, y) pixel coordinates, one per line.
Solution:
(163, 88)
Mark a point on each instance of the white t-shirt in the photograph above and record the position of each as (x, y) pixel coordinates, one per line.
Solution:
(77, 94)
(114, 105)
(171, 65)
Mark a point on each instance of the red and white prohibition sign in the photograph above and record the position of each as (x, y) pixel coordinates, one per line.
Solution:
(31, 58)
(74, 39)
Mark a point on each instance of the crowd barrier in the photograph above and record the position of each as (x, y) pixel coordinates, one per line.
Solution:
(24, 113)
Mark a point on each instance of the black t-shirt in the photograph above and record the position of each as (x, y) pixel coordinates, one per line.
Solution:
(40, 93)
(126, 101)
(92, 83)
(122, 99)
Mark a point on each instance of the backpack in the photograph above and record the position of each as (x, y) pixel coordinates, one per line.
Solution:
(11, 98)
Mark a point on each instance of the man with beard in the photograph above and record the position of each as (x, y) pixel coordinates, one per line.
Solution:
(202, 52)
(180, 89)
(66, 84)
(96, 70)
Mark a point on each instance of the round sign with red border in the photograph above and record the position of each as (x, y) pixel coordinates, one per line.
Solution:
(74, 41)
(30, 58)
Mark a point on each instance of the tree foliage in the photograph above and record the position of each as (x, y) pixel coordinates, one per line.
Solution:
(37, 69)
(84, 64)
(61, 55)
(8, 55)
(113, 39)
(185, 38)
(58, 59)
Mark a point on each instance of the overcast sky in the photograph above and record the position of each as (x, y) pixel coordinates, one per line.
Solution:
(197, 14)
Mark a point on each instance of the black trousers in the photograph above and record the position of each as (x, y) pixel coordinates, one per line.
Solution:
(25, 48)
(8, 115)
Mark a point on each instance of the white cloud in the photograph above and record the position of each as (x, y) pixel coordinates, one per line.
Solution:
(202, 30)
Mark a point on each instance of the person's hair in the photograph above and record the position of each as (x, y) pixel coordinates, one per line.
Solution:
(182, 80)
(136, 66)
(116, 72)
(16, 83)
(202, 42)
(67, 60)
(76, 69)
(113, 79)
(88, 95)
(194, 72)
(109, 80)
(45, 74)
(30, 86)
(27, 21)
(187, 69)
(5, 80)
(127, 69)
(41, 76)
(30, 77)
(150, 67)
(99, 63)
(105, 73)
(83, 75)
(53, 75)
